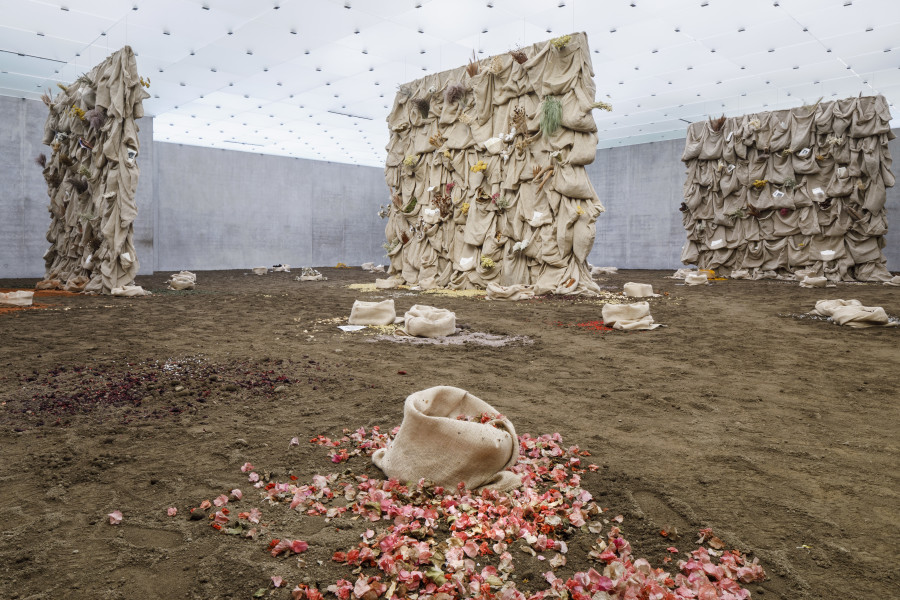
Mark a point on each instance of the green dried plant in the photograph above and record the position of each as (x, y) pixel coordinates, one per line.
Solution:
(551, 115)
(561, 41)
(84, 79)
(84, 171)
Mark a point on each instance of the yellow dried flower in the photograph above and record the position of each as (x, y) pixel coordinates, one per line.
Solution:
(479, 166)
(561, 41)
(464, 208)
(602, 105)
(487, 263)
(145, 82)
(760, 183)
(579, 210)
(447, 154)
(78, 112)
(409, 161)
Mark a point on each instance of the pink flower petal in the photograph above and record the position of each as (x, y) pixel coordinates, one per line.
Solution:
(172, 511)
(221, 500)
(115, 517)
(237, 494)
(277, 581)
(295, 441)
(246, 467)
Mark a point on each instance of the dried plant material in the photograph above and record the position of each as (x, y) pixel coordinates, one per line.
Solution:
(519, 56)
(602, 106)
(84, 79)
(80, 185)
(487, 263)
(473, 67)
(410, 206)
(833, 140)
(478, 167)
(95, 117)
(437, 140)
(145, 82)
(46, 98)
(410, 161)
(560, 42)
(548, 172)
(64, 88)
(404, 91)
(422, 105)
(454, 93)
(789, 183)
(443, 203)
(519, 120)
(41, 160)
(717, 124)
(404, 238)
(755, 124)
(84, 172)
(464, 208)
(551, 115)
(78, 112)
(760, 183)
(395, 198)
(496, 65)
(466, 119)
(66, 160)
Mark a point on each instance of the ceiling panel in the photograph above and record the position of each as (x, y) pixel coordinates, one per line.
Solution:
(316, 79)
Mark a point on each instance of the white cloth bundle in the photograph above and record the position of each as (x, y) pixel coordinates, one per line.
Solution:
(373, 313)
(681, 273)
(260, 270)
(310, 274)
(814, 282)
(695, 278)
(282, 268)
(20, 298)
(514, 292)
(852, 313)
(597, 271)
(427, 321)
(183, 280)
(639, 290)
(129, 291)
(628, 316)
(740, 274)
(387, 284)
(368, 266)
(895, 281)
(433, 444)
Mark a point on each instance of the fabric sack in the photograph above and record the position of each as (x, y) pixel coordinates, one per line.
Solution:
(373, 313)
(433, 444)
(427, 321)
(639, 290)
(20, 298)
(628, 316)
(511, 292)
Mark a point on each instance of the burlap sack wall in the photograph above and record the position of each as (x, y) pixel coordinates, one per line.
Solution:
(776, 192)
(449, 226)
(92, 176)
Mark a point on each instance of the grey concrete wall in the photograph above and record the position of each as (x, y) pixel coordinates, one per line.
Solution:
(201, 208)
(221, 209)
(24, 218)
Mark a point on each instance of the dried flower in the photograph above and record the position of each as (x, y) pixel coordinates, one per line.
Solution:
(784, 212)
(46, 98)
(403, 90)
(41, 160)
(450, 186)
(454, 93)
(496, 65)
(84, 171)
(84, 79)
(422, 105)
(560, 42)
(447, 154)
(409, 161)
(519, 56)
(760, 183)
(786, 152)
(464, 208)
(410, 206)
(737, 214)
(64, 88)
(80, 185)
(465, 119)
(96, 117)
(78, 112)
(717, 124)
(487, 263)
(437, 140)
(502, 203)
(789, 183)
(479, 166)
(145, 82)
(551, 115)
(755, 124)
(602, 105)
(472, 68)
(579, 210)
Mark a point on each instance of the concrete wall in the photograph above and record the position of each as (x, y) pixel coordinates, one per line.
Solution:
(201, 208)
(24, 218)
(222, 209)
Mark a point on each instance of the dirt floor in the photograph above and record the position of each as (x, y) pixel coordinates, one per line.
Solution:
(778, 432)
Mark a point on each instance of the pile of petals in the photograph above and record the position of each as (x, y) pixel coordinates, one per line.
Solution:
(426, 542)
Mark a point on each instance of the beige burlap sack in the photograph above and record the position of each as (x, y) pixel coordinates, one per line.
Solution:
(183, 280)
(373, 313)
(597, 271)
(639, 290)
(129, 291)
(893, 281)
(814, 282)
(20, 298)
(260, 270)
(628, 316)
(387, 284)
(695, 278)
(427, 321)
(433, 444)
(852, 313)
(310, 274)
(513, 292)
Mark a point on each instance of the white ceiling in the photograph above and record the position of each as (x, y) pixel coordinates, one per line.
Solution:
(315, 78)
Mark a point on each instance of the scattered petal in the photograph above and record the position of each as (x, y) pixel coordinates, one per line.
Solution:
(172, 511)
(115, 517)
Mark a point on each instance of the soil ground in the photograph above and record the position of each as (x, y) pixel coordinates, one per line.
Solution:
(778, 432)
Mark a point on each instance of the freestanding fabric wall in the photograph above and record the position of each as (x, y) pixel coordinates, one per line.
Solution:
(481, 190)
(771, 193)
(92, 177)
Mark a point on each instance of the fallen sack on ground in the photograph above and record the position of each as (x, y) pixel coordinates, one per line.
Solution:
(814, 282)
(740, 274)
(20, 298)
(48, 284)
(260, 270)
(695, 278)
(681, 273)
(895, 281)
(852, 313)
(183, 280)
(281, 268)
(513, 292)
(129, 291)
(310, 274)
(628, 316)
(373, 313)
(435, 445)
(427, 321)
(387, 284)
(639, 290)
(597, 271)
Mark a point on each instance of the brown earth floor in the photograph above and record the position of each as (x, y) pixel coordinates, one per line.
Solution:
(778, 432)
